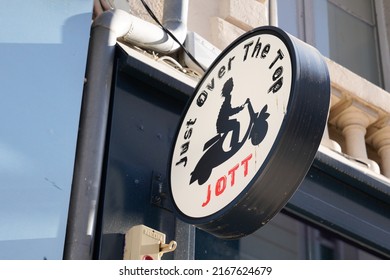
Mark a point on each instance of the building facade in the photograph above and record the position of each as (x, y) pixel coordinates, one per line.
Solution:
(116, 157)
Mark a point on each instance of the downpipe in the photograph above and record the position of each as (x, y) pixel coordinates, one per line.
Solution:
(106, 29)
(92, 133)
(152, 37)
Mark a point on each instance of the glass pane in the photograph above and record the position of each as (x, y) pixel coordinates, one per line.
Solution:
(288, 16)
(359, 8)
(326, 253)
(43, 55)
(343, 30)
(353, 44)
(283, 238)
(280, 239)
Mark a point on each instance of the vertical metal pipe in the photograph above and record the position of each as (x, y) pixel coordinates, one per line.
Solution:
(273, 12)
(150, 36)
(92, 133)
(175, 16)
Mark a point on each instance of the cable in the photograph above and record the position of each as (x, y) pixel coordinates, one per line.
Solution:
(171, 35)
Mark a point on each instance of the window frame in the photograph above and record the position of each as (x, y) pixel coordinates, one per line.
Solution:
(306, 22)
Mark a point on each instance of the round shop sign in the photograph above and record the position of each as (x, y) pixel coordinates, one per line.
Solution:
(249, 134)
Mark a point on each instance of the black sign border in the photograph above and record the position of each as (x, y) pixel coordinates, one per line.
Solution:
(290, 156)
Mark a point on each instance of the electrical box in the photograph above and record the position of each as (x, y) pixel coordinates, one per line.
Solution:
(144, 243)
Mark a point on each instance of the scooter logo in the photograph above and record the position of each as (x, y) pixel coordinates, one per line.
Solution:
(230, 125)
(214, 154)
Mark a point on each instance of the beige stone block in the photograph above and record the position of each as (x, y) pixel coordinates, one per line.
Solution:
(137, 9)
(223, 32)
(359, 88)
(244, 14)
(199, 16)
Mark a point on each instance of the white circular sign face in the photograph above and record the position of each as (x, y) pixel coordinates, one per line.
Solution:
(231, 125)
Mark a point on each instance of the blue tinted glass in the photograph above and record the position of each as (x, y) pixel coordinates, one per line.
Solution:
(43, 49)
(288, 16)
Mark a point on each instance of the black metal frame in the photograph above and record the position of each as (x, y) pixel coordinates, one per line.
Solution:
(138, 197)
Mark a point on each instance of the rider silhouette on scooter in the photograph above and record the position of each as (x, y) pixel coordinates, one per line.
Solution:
(224, 122)
(214, 154)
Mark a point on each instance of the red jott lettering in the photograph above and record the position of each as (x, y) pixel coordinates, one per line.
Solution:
(222, 182)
